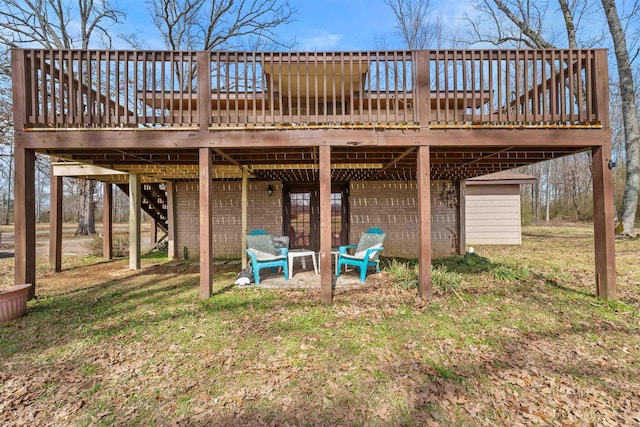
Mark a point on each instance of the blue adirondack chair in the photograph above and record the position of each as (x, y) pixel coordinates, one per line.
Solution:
(263, 253)
(367, 253)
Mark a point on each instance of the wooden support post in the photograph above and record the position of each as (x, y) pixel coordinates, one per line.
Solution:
(135, 199)
(326, 275)
(244, 208)
(424, 223)
(462, 217)
(422, 112)
(171, 221)
(206, 228)
(55, 222)
(603, 223)
(107, 220)
(204, 88)
(602, 87)
(153, 231)
(19, 87)
(25, 218)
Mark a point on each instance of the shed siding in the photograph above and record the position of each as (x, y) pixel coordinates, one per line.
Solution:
(493, 214)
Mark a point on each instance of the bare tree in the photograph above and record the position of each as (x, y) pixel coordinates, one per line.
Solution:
(6, 151)
(215, 24)
(629, 116)
(414, 23)
(525, 23)
(86, 220)
(48, 23)
(6, 145)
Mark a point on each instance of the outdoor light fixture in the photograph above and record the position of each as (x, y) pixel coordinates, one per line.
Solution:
(611, 164)
(270, 190)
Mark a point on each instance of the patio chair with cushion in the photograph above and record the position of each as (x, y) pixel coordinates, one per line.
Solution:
(263, 253)
(367, 253)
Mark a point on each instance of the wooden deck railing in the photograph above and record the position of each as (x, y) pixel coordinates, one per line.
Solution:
(517, 87)
(254, 90)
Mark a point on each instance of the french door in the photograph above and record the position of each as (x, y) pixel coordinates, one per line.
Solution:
(301, 216)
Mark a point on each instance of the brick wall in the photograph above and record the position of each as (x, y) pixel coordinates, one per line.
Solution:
(187, 219)
(390, 205)
(263, 212)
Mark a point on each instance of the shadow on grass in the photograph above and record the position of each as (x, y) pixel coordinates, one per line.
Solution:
(118, 305)
(108, 309)
(90, 261)
(115, 308)
(555, 284)
(223, 290)
(550, 236)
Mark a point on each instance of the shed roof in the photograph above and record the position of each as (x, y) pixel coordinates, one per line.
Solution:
(502, 178)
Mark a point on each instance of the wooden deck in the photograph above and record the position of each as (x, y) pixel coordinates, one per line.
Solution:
(111, 89)
(312, 116)
(481, 111)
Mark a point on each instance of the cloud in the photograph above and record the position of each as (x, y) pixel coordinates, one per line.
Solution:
(320, 40)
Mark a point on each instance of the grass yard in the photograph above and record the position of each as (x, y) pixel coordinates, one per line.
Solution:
(513, 336)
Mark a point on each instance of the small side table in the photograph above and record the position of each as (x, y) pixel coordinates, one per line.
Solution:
(334, 254)
(301, 253)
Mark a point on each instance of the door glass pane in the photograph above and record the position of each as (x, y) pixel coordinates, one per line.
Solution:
(336, 219)
(299, 232)
(304, 220)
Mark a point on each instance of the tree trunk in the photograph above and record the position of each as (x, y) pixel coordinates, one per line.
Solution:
(629, 117)
(6, 219)
(547, 191)
(86, 214)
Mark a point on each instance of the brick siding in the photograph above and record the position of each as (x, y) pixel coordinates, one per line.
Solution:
(264, 212)
(390, 205)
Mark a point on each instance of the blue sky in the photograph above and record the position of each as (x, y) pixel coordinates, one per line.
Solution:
(320, 25)
(342, 25)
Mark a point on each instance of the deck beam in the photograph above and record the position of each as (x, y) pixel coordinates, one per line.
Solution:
(300, 138)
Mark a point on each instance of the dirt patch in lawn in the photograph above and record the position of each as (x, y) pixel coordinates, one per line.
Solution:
(76, 251)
